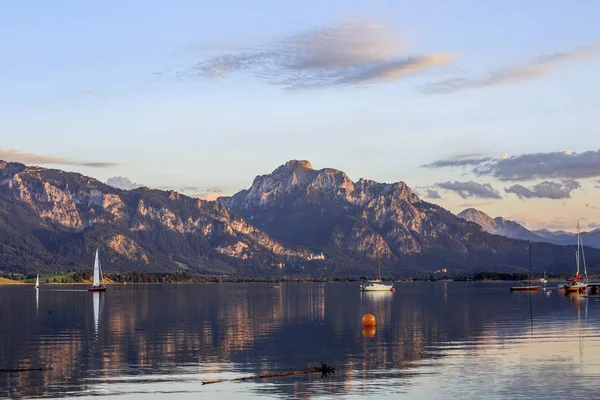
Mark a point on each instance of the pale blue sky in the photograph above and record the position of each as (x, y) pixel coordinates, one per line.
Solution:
(101, 81)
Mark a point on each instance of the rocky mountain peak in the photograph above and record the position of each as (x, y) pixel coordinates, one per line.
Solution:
(10, 168)
(292, 166)
(479, 217)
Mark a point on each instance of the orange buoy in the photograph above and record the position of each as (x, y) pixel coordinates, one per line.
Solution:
(369, 320)
(392, 290)
(369, 331)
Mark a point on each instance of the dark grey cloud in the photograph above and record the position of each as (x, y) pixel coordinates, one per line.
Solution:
(556, 165)
(121, 182)
(38, 159)
(471, 189)
(432, 194)
(512, 74)
(545, 190)
(353, 52)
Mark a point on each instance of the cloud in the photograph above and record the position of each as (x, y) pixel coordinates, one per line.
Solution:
(512, 74)
(475, 205)
(354, 52)
(545, 190)
(36, 159)
(458, 162)
(471, 189)
(121, 182)
(597, 184)
(556, 165)
(592, 207)
(207, 193)
(432, 194)
(593, 225)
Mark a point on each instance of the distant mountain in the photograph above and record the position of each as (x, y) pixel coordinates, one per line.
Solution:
(323, 210)
(499, 225)
(294, 221)
(591, 238)
(514, 230)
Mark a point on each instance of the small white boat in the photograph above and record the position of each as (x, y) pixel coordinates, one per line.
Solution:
(377, 286)
(544, 280)
(37, 281)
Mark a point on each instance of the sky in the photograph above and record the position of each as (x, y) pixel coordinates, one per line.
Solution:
(485, 104)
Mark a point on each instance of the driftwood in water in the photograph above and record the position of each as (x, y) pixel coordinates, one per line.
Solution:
(324, 369)
(25, 369)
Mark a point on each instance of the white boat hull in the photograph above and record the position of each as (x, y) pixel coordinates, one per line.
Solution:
(376, 287)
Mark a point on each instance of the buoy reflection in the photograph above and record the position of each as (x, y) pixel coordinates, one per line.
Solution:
(369, 331)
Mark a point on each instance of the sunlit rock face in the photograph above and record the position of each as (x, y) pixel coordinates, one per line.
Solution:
(64, 216)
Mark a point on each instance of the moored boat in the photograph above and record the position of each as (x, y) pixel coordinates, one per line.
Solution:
(577, 283)
(377, 285)
(527, 286)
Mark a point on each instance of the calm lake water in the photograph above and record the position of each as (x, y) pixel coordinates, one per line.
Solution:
(433, 340)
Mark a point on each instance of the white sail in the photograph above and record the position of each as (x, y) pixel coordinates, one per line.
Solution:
(96, 271)
(37, 281)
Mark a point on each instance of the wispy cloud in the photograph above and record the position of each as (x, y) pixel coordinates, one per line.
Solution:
(471, 189)
(475, 205)
(592, 207)
(32, 158)
(593, 225)
(204, 193)
(512, 74)
(458, 162)
(121, 182)
(545, 190)
(354, 52)
(556, 165)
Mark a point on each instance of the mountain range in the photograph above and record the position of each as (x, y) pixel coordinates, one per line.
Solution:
(294, 221)
(514, 230)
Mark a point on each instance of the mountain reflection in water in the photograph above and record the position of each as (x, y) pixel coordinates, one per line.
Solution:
(432, 340)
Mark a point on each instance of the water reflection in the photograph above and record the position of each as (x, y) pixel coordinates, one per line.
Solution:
(169, 338)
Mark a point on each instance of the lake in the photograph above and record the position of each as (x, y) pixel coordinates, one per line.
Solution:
(432, 340)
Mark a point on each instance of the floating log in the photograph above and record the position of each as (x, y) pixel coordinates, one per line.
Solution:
(324, 369)
(25, 369)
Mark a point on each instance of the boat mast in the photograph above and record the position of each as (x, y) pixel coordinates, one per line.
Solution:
(378, 266)
(577, 251)
(582, 253)
(530, 243)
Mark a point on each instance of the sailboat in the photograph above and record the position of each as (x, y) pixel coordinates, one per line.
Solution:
(97, 285)
(577, 283)
(527, 286)
(37, 282)
(377, 285)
